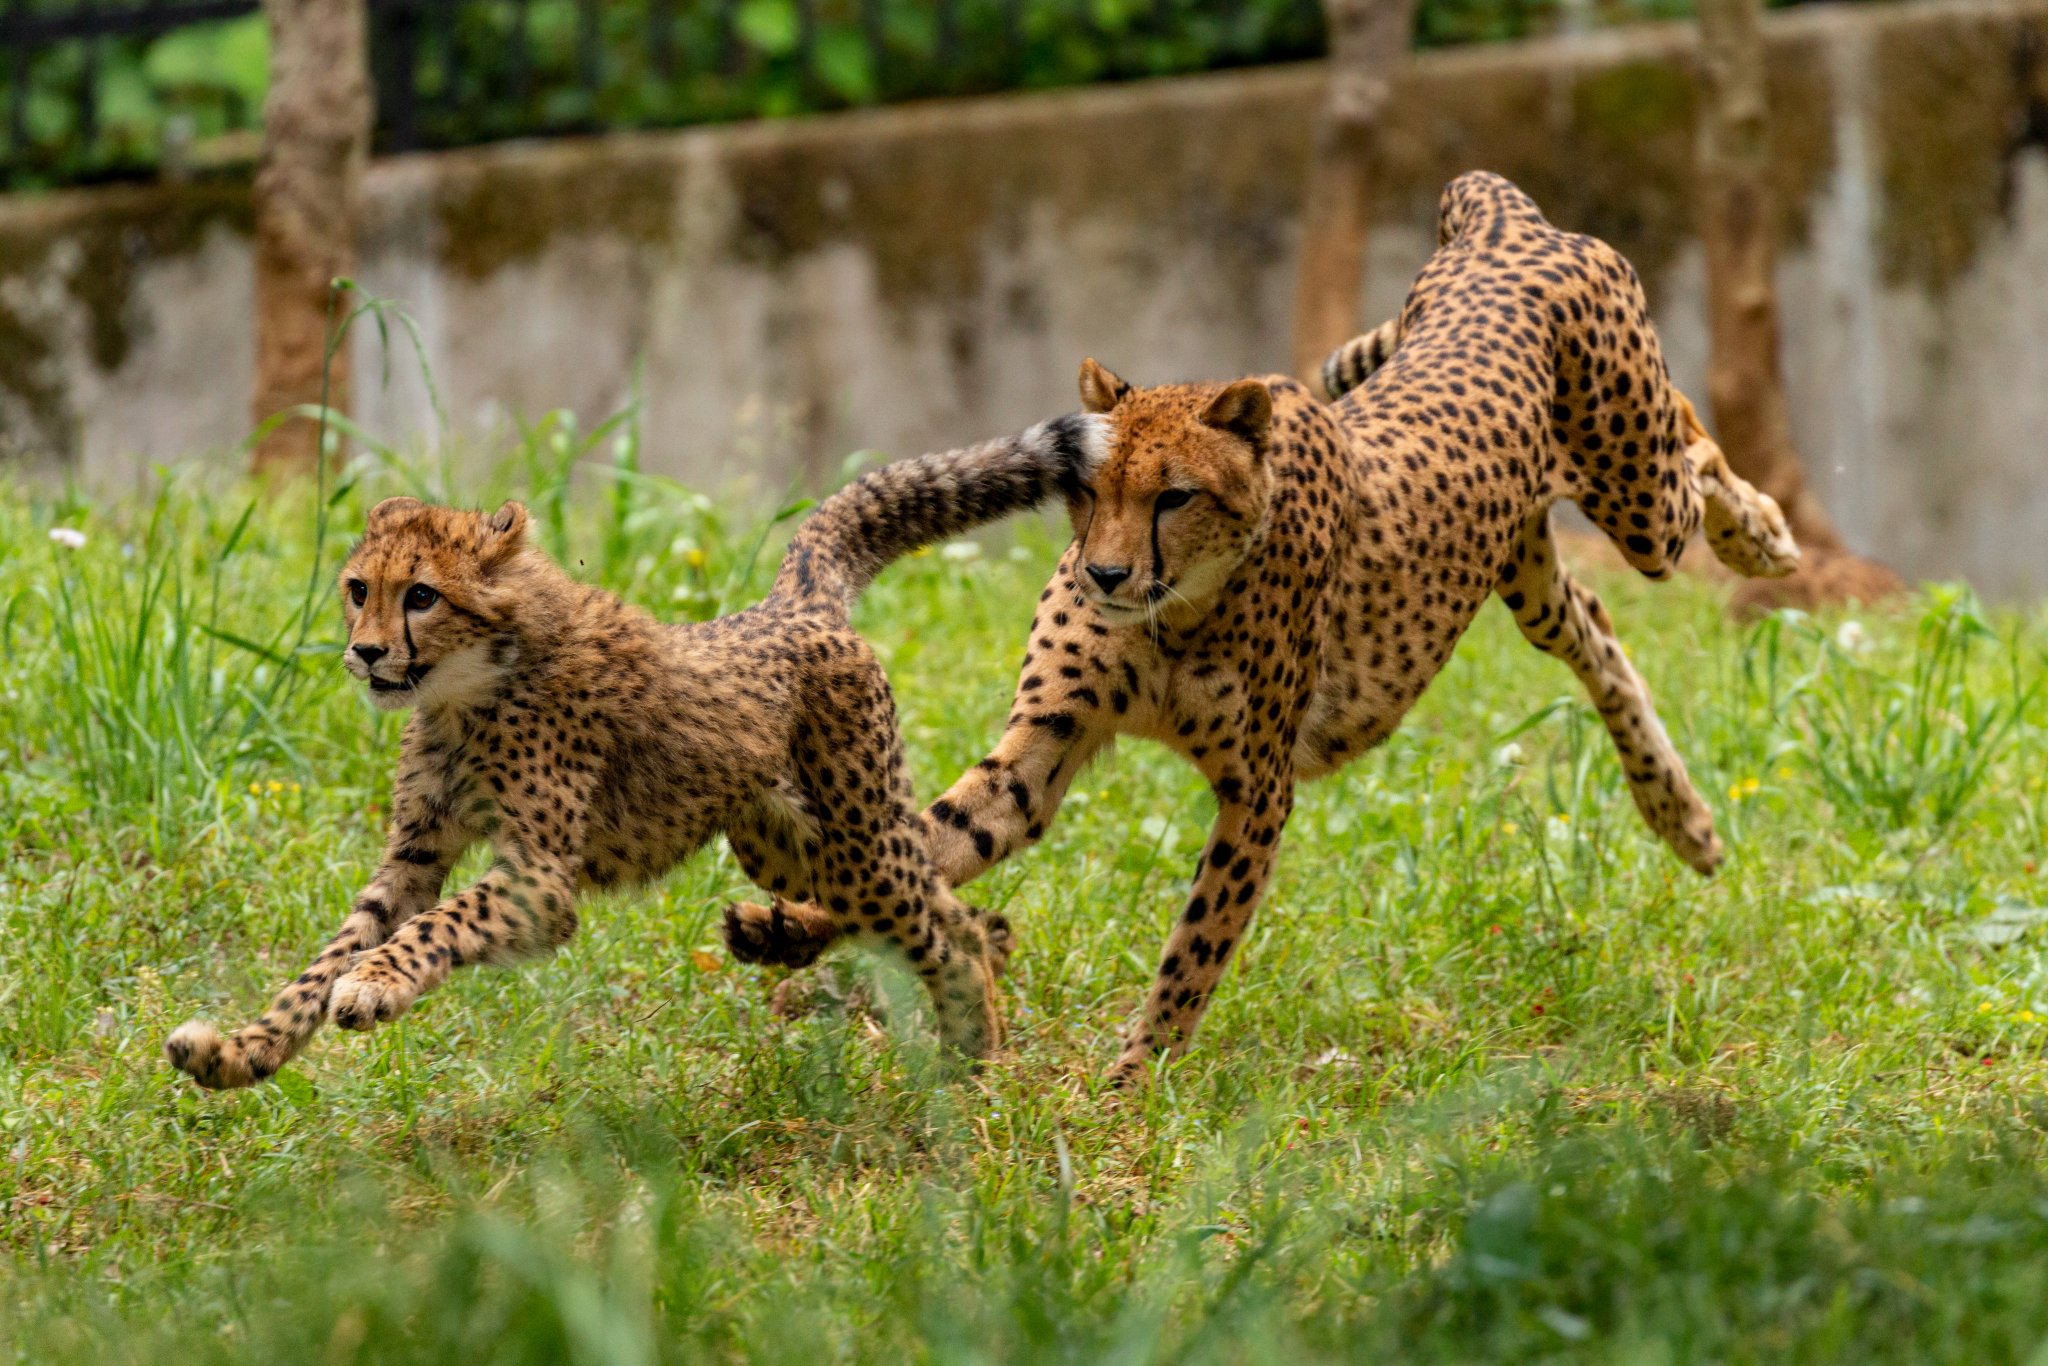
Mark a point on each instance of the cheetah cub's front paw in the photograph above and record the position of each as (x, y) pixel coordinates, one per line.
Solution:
(197, 1049)
(371, 994)
(1695, 841)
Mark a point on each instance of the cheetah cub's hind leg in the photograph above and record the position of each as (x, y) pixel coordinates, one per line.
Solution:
(1566, 621)
(1745, 528)
(784, 933)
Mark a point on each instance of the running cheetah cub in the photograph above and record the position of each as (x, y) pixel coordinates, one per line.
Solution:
(593, 746)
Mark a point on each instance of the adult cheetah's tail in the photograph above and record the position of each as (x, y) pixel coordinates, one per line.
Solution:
(1353, 363)
(887, 513)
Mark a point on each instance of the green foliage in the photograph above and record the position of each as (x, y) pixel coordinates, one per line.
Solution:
(1493, 1078)
(499, 70)
(1911, 747)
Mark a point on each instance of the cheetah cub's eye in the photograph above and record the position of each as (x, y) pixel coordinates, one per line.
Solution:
(419, 598)
(358, 592)
(1174, 498)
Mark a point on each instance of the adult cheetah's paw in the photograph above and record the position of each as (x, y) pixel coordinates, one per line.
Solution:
(1132, 1071)
(198, 1050)
(371, 994)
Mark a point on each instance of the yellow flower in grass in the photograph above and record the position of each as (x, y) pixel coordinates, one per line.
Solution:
(694, 558)
(1983, 1007)
(1743, 788)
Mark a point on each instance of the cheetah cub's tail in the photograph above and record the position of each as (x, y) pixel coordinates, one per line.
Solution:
(1745, 527)
(887, 513)
(1353, 363)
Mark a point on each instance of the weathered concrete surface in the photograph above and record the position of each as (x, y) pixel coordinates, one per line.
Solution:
(928, 275)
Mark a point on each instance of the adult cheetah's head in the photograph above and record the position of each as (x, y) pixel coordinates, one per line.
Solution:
(1167, 517)
(425, 595)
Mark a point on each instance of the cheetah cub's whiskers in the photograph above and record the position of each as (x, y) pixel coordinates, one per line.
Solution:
(1267, 583)
(592, 746)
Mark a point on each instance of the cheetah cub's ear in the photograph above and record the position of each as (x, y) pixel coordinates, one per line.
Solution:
(1100, 390)
(391, 509)
(504, 531)
(1245, 410)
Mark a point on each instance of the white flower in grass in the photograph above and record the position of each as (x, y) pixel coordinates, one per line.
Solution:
(1508, 755)
(71, 538)
(960, 552)
(1851, 637)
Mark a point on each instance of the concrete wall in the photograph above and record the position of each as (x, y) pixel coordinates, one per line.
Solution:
(928, 275)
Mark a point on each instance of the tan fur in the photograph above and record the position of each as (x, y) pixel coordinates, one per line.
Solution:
(1285, 618)
(592, 746)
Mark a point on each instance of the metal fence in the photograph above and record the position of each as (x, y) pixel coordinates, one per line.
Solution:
(98, 89)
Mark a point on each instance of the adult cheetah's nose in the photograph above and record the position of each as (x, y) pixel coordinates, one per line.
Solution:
(1107, 577)
(370, 654)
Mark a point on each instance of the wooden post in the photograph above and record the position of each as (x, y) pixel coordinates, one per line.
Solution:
(316, 142)
(1744, 383)
(1367, 40)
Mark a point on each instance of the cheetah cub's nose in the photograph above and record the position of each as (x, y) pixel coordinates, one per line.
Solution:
(370, 654)
(1107, 577)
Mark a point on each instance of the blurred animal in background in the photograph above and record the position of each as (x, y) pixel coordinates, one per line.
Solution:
(1266, 583)
(592, 746)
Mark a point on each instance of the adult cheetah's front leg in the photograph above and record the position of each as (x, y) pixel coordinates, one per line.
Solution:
(422, 846)
(1232, 875)
(1078, 687)
(1565, 620)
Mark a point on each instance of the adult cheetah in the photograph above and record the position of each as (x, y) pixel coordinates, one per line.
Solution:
(1267, 583)
(593, 746)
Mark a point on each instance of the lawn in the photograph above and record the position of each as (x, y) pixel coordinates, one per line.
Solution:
(1494, 1076)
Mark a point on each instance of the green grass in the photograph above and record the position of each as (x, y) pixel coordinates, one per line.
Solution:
(1494, 1077)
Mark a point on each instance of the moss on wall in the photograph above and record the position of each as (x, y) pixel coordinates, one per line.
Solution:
(928, 194)
(495, 208)
(1206, 168)
(1957, 98)
(116, 233)
(100, 242)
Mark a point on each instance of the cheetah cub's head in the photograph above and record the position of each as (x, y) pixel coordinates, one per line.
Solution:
(425, 594)
(1167, 517)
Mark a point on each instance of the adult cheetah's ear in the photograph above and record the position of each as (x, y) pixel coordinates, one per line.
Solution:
(1100, 389)
(507, 530)
(392, 508)
(1244, 409)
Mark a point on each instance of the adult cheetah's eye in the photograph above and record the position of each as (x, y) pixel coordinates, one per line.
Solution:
(358, 592)
(419, 598)
(1174, 498)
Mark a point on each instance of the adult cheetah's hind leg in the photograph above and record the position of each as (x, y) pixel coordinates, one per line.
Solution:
(1745, 528)
(1565, 620)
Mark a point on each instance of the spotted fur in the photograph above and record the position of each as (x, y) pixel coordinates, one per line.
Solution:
(592, 746)
(1267, 583)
